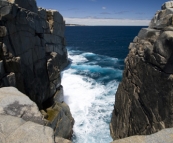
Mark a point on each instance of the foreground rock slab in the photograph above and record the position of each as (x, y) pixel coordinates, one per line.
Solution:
(16, 130)
(21, 121)
(15, 103)
(163, 136)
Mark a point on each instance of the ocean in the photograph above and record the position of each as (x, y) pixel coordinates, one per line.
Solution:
(90, 82)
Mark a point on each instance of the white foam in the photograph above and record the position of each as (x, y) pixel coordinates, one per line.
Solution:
(88, 54)
(91, 104)
(77, 58)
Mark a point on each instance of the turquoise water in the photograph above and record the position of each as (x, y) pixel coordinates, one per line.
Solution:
(91, 80)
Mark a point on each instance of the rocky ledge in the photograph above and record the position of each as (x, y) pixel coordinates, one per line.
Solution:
(163, 136)
(144, 99)
(32, 55)
(21, 120)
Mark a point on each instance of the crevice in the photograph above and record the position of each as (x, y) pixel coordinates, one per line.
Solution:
(11, 43)
(40, 35)
(145, 110)
(48, 103)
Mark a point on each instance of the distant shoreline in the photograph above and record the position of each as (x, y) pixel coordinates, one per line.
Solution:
(107, 25)
(74, 25)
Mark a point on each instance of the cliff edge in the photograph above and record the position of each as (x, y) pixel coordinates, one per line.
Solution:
(144, 99)
(32, 55)
(32, 49)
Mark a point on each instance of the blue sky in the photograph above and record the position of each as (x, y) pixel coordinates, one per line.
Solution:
(104, 12)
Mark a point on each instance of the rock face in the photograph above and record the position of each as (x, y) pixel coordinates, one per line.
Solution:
(21, 121)
(144, 99)
(32, 54)
(32, 49)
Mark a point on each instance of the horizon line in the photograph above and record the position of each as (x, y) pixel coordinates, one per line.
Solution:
(100, 25)
(107, 22)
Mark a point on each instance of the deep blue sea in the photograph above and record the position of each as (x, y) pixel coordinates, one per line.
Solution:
(90, 82)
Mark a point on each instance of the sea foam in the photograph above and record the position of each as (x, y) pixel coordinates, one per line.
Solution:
(89, 89)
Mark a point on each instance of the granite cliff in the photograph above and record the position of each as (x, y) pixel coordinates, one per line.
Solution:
(32, 49)
(32, 55)
(144, 99)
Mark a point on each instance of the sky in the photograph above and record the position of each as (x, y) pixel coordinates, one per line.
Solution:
(104, 12)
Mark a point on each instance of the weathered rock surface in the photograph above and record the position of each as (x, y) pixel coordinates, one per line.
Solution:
(15, 103)
(32, 49)
(21, 121)
(163, 136)
(168, 4)
(60, 119)
(144, 99)
(32, 54)
(16, 130)
(61, 140)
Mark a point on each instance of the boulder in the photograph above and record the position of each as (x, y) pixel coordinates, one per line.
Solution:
(21, 121)
(60, 119)
(148, 34)
(162, 19)
(14, 129)
(15, 103)
(168, 4)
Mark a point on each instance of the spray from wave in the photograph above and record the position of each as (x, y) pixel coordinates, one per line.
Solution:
(90, 83)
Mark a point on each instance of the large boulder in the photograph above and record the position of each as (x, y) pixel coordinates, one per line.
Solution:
(21, 121)
(16, 130)
(60, 119)
(167, 5)
(15, 103)
(143, 103)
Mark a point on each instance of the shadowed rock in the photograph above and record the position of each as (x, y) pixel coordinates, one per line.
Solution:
(32, 47)
(32, 54)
